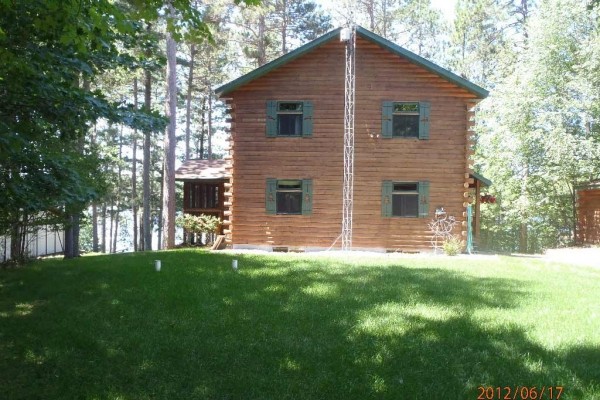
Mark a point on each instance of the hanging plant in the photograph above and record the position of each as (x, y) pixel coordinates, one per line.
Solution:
(488, 199)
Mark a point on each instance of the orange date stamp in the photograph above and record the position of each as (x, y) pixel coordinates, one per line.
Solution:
(519, 392)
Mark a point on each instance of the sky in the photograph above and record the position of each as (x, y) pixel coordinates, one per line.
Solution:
(445, 6)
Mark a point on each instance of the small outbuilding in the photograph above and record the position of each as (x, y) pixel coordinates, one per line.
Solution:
(204, 187)
(588, 214)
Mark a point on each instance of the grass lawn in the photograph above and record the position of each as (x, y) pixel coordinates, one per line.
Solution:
(297, 327)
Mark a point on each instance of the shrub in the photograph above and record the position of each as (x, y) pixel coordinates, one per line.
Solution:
(452, 245)
(198, 224)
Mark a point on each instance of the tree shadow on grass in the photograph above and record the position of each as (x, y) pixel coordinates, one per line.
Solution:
(279, 328)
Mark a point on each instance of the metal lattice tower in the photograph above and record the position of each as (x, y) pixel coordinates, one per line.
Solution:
(349, 35)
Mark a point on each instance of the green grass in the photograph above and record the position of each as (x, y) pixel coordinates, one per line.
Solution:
(296, 327)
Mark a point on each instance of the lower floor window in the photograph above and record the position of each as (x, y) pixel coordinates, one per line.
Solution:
(289, 196)
(405, 199)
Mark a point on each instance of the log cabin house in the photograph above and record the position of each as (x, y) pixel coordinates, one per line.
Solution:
(588, 214)
(204, 187)
(412, 148)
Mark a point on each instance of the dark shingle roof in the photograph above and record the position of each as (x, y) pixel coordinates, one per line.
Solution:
(485, 181)
(202, 170)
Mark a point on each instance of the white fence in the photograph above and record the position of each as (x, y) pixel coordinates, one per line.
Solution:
(43, 242)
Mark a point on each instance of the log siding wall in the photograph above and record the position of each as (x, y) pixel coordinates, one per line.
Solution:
(588, 216)
(319, 77)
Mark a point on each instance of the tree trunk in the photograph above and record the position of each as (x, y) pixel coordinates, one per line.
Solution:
(24, 228)
(574, 225)
(95, 246)
(209, 133)
(384, 19)
(284, 22)
(371, 13)
(116, 236)
(207, 105)
(110, 232)
(146, 223)
(141, 236)
(202, 129)
(188, 102)
(104, 227)
(76, 209)
(161, 208)
(134, 206)
(119, 188)
(72, 235)
(464, 54)
(524, 11)
(76, 229)
(523, 238)
(68, 247)
(169, 143)
(261, 58)
(523, 234)
(16, 239)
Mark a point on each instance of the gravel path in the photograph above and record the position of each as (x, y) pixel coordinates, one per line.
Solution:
(575, 255)
(589, 256)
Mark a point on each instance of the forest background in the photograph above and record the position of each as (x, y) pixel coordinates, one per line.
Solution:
(101, 100)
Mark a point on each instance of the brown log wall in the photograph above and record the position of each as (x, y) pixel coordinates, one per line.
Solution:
(588, 216)
(319, 77)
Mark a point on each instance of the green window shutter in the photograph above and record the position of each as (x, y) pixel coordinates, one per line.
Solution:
(386, 198)
(424, 108)
(271, 196)
(423, 199)
(307, 122)
(307, 196)
(271, 128)
(387, 110)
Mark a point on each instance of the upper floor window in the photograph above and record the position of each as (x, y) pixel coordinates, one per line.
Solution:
(405, 119)
(289, 118)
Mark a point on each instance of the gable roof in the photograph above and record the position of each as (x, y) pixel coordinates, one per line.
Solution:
(478, 91)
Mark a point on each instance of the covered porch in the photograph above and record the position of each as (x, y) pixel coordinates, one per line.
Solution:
(476, 183)
(204, 187)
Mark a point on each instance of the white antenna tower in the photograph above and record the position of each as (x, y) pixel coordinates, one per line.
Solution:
(348, 35)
